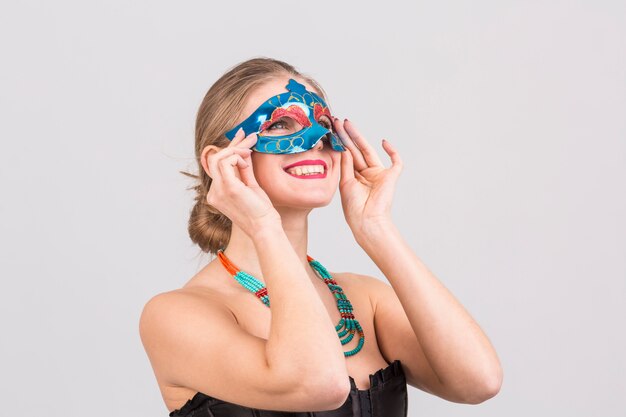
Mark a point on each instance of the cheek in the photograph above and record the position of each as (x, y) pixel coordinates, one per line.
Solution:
(257, 163)
(336, 158)
(264, 166)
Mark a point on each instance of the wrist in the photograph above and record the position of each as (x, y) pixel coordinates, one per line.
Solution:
(267, 229)
(372, 232)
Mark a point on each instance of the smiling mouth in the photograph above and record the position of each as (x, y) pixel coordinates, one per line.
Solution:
(308, 176)
(304, 171)
(307, 169)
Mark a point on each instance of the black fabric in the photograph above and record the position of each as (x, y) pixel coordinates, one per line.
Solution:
(386, 397)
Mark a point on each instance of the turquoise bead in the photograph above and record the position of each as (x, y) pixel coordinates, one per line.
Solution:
(346, 325)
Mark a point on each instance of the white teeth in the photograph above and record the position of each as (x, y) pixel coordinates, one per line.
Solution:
(306, 170)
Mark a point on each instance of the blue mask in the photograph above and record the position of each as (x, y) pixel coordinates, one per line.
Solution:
(303, 106)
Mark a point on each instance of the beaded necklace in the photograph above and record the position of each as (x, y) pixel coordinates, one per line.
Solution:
(347, 322)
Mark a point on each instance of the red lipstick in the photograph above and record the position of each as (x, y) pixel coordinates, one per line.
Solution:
(307, 162)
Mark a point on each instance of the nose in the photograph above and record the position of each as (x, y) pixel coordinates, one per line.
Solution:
(320, 143)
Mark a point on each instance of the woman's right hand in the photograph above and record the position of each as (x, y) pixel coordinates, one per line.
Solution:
(234, 190)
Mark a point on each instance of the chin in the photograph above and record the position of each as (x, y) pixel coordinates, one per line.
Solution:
(304, 198)
(304, 202)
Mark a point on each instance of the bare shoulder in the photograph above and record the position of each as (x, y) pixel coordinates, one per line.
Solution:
(365, 285)
(183, 303)
(177, 311)
(183, 295)
(356, 278)
(202, 295)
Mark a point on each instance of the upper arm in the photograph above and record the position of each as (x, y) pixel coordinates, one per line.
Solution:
(197, 343)
(397, 340)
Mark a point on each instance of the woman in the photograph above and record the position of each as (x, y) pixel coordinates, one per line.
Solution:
(332, 344)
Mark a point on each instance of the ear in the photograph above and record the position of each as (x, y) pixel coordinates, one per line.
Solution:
(206, 152)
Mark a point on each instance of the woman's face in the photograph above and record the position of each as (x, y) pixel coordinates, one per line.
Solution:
(283, 188)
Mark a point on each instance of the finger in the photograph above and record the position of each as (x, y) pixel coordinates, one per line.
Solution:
(249, 141)
(247, 173)
(370, 154)
(241, 152)
(213, 160)
(347, 140)
(239, 136)
(347, 167)
(357, 156)
(228, 168)
(396, 161)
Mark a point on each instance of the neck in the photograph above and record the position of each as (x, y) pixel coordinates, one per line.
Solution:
(241, 251)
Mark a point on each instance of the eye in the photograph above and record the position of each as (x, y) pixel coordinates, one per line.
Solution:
(280, 124)
(283, 125)
(324, 121)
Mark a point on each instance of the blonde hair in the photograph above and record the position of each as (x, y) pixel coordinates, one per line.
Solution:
(219, 111)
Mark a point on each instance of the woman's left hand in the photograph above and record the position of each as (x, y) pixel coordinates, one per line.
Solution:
(366, 186)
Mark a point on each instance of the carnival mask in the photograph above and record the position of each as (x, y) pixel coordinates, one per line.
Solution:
(299, 104)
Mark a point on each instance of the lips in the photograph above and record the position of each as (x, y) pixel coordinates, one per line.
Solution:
(307, 162)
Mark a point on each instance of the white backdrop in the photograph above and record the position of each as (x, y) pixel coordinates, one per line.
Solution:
(509, 116)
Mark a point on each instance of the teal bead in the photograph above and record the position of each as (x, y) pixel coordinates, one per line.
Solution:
(346, 325)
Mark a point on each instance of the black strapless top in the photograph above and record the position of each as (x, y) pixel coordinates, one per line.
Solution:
(386, 397)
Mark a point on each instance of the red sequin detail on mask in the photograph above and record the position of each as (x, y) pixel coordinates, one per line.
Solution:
(319, 110)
